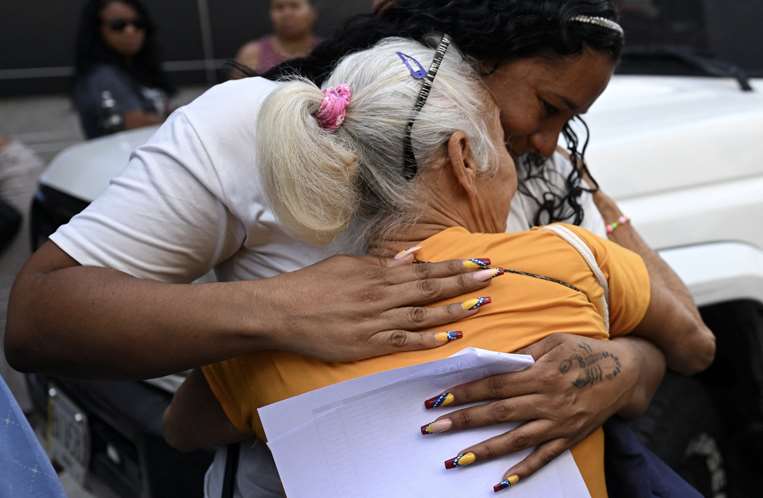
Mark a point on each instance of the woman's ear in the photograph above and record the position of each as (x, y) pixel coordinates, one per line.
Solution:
(461, 161)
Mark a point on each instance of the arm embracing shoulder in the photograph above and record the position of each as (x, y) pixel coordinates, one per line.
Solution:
(687, 342)
(672, 322)
(642, 303)
(196, 420)
(91, 300)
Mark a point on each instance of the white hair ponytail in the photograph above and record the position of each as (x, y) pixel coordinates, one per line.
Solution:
(321, 182)
(309, 172)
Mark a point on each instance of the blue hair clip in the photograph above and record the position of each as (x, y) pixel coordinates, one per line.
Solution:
(419, 73)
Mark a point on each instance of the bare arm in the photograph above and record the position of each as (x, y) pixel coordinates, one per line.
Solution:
(140, 119)
(98, 322)
(673, 322)
(87, 322)
(649, 373)
(196, 420)
(249, 56)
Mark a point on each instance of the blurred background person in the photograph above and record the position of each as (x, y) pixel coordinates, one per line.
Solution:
(19, 170)
(119, 83)
(293, 23)
(379, 5)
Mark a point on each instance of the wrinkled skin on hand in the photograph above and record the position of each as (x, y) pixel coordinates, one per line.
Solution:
(575, 385)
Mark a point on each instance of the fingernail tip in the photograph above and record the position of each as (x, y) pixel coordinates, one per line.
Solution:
(407, 252)
(501, 486)
(454, 335)
(443, 399)
(482, 263)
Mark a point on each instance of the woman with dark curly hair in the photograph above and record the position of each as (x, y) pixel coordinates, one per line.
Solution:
(118, 83)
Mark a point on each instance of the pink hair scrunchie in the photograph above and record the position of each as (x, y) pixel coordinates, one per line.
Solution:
(333, 108)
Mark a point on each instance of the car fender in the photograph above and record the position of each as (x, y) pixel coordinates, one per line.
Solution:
(720, 271)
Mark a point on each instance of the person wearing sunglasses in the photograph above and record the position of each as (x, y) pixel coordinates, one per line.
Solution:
(118, 82)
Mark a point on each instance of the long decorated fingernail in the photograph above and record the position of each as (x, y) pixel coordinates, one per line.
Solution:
(485, 275)
(461, 460)
(477, 263)
(436, 427)
(407, 252)
(476, 303)
(506, 483)
(443, 399)
(449, 336)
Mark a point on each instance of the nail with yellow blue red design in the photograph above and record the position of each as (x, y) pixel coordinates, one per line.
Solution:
(449, 336)
(440, 400)
(476, 303)
(477, 263)
(510, 481)
(461, 460)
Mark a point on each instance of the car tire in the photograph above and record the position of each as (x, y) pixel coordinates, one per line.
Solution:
(735, 383)
(709, 428)
(683, 428)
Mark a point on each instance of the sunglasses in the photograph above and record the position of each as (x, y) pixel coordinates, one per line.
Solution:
(121, 24)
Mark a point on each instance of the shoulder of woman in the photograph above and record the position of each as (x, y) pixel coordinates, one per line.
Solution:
(249, 50)
(225, 117)
(232, 101)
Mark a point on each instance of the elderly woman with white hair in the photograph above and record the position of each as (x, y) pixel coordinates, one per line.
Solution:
(396, 155)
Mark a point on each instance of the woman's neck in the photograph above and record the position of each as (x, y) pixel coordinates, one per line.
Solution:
(434, 217)
(410, 236)
(442, 204)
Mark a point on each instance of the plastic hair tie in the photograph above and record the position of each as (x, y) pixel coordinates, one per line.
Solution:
(602, 22)
(333, 108)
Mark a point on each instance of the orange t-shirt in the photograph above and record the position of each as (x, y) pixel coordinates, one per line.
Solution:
(524, 310)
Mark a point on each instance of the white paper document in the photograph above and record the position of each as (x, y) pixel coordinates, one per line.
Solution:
(361, 438)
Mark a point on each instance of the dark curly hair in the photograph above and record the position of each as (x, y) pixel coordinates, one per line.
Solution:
(92, 51)
(490, 32)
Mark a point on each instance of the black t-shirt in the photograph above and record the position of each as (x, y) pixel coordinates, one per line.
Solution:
(128, 94)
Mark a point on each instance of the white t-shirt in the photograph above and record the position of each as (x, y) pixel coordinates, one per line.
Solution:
(191, 200)
(554, 173)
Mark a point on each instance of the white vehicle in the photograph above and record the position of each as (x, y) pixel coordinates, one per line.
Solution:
(683, 155)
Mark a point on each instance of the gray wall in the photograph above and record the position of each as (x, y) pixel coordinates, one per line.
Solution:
(38, 37)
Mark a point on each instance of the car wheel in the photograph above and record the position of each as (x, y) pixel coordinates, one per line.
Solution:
(683, 428)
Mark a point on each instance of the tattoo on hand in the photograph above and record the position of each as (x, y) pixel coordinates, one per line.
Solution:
(593, 367)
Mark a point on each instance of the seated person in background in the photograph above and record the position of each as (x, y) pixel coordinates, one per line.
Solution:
(119, 83)
(347, 159)
(293, 22)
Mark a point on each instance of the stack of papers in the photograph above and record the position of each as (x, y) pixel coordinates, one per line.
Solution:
(361, 438)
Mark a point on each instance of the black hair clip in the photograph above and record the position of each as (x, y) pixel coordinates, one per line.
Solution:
(410, 168)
